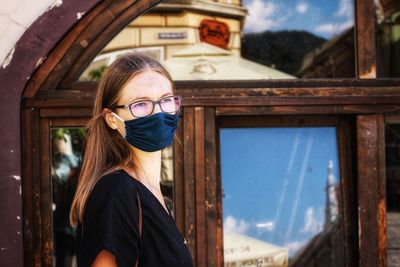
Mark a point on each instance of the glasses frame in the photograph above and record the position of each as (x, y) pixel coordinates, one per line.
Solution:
(128, 106)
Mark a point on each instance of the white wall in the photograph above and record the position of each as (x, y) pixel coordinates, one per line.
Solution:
(15, 18)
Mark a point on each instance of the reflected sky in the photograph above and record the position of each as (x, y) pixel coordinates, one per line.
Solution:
(274, 182)
(325, 18)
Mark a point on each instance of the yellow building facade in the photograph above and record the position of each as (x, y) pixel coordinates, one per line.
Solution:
(181, 19)
(175, 25)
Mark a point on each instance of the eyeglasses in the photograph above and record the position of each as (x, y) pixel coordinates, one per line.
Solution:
(143, 108)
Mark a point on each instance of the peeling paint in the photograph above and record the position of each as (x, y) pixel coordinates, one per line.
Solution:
(79, 15)
(16, 177)
(8, 59)
(56, 3)
(40, 61)
(370, 74)
(84, 43)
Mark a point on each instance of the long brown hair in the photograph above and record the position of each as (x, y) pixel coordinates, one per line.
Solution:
(105, 149)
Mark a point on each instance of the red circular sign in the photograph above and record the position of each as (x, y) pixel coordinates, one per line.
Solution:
(214, 32)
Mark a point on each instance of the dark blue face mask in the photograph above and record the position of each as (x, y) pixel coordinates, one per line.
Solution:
(151, 133)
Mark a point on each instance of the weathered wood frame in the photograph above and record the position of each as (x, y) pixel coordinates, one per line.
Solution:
(52, 98)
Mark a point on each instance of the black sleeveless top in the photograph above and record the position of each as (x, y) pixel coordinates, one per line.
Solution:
(111, 222)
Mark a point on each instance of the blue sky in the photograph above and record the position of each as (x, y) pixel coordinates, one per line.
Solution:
(325, 18)
(274, 180)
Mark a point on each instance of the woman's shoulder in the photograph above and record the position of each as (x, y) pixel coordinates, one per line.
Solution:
(116, 178)
(115, 184)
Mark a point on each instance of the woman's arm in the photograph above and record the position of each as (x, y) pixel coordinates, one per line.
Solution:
(104, 259)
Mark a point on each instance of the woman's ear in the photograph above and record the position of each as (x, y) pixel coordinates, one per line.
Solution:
(110, 119)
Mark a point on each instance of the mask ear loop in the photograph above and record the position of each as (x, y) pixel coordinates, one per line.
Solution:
(118, 117)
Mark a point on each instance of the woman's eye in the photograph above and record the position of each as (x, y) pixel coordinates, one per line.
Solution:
(140, 105)
(167, 100)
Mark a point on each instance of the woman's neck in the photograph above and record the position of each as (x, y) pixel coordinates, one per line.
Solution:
(147, 167)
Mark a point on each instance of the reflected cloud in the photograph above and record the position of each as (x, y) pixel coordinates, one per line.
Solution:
(233, 225)
(344, 11)
(302, 7)
(268, 225)
(263, 15)
(334, 28)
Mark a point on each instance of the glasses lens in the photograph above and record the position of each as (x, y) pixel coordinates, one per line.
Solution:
(142, 108)
(170, 104)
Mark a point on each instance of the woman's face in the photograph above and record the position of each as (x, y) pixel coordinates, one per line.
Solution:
(147, 85)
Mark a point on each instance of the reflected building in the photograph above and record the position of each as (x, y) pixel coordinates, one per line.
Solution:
(195, 40)
(335, 58)
(326, 248)
(332, 207)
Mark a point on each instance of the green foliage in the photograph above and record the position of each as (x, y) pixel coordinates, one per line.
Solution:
(96, 73)
(77, 135)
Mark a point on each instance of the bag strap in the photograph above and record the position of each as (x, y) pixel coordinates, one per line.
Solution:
(140, 216)
(140, 223)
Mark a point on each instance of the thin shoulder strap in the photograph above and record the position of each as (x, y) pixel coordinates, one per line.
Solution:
(140, 215)
(140, 222)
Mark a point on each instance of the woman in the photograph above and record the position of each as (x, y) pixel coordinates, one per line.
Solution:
(119, 210)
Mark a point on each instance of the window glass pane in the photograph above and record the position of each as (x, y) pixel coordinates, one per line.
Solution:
(249, 39)
(387, 38)
(281, 197)
(66, 161)
(66, 153)
(392, 133)
(167, 177)
(306, 39)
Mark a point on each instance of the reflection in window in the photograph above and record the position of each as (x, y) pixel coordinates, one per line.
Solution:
(387, 38)
(280, 196)
(306, 39)
(167, 176)
(233, 40)
(392, 133)
(66, 155)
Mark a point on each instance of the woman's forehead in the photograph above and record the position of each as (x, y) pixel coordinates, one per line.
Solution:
(148, 84)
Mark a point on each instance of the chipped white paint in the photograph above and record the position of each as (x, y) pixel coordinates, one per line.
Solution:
(9, 6)
(40, 61)
(12, 151)
(16, 177)
(20, 190)
(79, 15)
(18, 233)
(3, 248)
(15, 18)
(8, 58)
(56, 3)
(18, 218)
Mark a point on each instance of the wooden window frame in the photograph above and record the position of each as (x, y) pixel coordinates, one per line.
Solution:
(52, 97)
(344, 137)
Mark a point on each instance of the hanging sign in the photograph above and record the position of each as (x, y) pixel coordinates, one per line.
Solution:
(214, 32)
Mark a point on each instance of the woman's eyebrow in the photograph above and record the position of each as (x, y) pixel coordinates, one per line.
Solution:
(148, 98)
